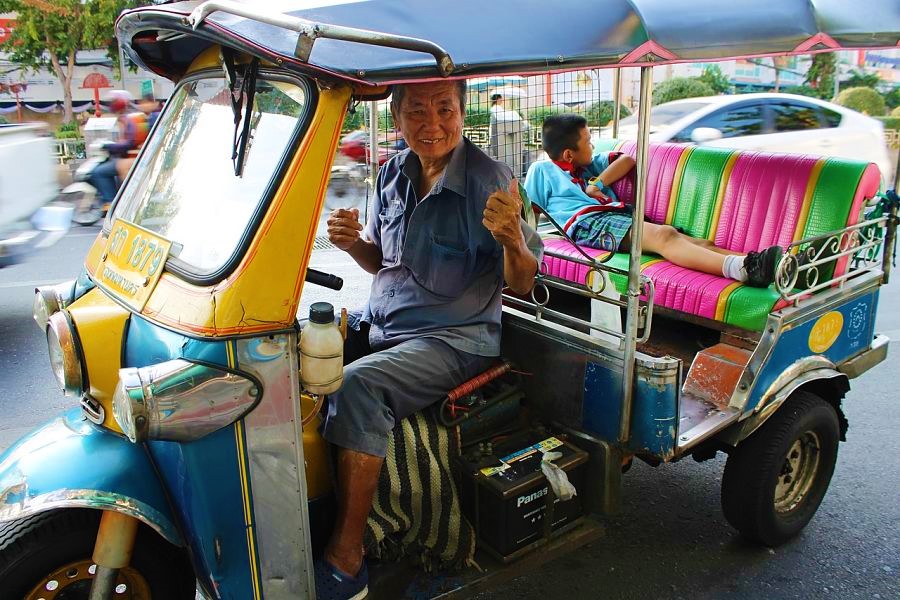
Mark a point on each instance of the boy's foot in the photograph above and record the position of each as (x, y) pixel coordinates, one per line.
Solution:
(760, 266)
(332, 584)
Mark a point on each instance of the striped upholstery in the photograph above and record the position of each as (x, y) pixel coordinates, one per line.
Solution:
(743, 201)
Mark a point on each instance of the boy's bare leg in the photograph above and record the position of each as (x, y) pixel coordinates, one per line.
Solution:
(710, 245)
(681, 249)
(357, 479)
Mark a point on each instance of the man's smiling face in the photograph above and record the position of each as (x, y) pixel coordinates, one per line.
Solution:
(430, 118)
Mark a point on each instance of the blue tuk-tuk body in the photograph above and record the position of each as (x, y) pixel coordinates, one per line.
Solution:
(227, 483)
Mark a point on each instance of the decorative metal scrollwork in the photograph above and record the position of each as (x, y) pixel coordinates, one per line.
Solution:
(809, 265)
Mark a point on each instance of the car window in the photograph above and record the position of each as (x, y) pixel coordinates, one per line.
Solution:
(789, 116)
(667, 113)
(832, 117)
(746, 119)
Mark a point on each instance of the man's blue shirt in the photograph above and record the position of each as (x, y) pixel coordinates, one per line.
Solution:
(442, 270)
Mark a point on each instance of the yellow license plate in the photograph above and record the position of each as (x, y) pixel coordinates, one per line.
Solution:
(132, 263)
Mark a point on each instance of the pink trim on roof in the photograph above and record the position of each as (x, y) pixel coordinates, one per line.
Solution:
(648, 47)
(819, 38)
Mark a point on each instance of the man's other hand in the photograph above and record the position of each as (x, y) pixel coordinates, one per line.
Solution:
(501, 215)
(344, 227)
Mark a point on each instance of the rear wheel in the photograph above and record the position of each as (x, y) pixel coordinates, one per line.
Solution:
(775, 480)
(48, 556)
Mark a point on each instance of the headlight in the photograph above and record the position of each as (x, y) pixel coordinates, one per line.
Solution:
(65, 355)
(180, 401)
(129, 409)
(51, 299)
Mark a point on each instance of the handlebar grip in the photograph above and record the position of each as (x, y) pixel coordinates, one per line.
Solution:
(324, 279)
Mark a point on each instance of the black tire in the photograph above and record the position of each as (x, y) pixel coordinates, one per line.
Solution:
(33, 548)
(775, 480)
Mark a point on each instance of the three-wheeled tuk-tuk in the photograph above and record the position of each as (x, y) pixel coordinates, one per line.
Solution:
(194, 458)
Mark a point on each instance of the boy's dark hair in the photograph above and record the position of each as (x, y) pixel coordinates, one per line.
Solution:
(561, 132)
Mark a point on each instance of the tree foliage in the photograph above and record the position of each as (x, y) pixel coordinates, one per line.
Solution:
(48, 33)
(892, 98)
(864, 99)
(715, 79)
(678, 88)
(861, 79)
(821, 74)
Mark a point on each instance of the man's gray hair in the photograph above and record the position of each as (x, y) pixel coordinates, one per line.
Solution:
(400, 90)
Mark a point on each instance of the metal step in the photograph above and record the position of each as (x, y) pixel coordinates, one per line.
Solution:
(700, 419)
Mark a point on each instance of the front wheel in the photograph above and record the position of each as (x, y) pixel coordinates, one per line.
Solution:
(48, 556)
(775, 480)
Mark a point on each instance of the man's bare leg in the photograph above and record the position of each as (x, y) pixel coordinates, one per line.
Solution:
(357, 479)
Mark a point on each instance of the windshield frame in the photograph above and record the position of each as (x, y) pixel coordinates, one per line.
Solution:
(184, 270)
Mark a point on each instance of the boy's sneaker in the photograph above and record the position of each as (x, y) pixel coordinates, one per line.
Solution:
(332, 584)
(760, 266)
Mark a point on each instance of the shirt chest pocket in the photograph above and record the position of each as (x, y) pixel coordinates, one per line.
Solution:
(443, 267)
(391, 229)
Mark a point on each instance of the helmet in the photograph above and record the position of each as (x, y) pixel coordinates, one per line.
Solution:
(118, 105)
(120, 101)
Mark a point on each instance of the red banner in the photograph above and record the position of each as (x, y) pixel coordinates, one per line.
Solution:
(6, 27)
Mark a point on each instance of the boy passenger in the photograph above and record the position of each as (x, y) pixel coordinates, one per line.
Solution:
(574, 189)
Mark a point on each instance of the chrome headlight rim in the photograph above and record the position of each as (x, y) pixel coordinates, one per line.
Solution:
(71, 373)
(49, 300)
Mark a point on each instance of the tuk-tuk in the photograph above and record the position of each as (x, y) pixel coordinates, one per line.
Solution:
(194, 458)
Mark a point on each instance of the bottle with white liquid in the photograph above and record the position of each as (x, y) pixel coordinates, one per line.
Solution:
(321, 351)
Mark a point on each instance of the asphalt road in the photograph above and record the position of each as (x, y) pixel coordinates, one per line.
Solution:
(670, 542)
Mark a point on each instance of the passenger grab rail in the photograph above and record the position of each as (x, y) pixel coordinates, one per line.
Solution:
(860, 244)
(540, 298)
(310, 31)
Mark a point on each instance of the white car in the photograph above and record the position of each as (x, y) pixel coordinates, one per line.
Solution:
(770, 122)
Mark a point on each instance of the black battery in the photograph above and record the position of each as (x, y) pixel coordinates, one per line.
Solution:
(508, 499)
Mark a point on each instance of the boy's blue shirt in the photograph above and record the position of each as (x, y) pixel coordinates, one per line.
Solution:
(553, 190)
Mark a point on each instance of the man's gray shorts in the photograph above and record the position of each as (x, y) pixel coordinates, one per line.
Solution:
(382, 388)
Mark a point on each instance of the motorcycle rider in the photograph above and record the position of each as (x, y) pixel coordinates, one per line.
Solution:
(132, 131)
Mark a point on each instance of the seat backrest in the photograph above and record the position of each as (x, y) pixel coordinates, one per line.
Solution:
(747, 200)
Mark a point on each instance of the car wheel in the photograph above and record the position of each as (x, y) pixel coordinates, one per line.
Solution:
(775, 480)
(48, 556)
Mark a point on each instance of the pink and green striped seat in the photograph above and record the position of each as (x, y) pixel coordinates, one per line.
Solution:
(742, 201)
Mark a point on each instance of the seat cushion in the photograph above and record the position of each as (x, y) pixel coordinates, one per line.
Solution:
(710, 296)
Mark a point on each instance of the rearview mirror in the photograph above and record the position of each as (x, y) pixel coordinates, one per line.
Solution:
(701, 135)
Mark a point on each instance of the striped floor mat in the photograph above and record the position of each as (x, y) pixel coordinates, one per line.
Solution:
(416, 509)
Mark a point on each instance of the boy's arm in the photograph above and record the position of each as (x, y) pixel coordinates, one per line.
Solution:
(617, 169)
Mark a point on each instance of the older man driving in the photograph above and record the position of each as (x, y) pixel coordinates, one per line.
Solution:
(442, 236)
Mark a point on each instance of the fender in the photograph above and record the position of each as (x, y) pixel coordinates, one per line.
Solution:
(79, 186)
(72, 463)
(800, 373)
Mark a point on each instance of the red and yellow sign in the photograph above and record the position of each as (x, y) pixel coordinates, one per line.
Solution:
(132, 263)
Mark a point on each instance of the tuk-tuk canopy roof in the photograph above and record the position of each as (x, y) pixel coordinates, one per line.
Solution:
(497, 37)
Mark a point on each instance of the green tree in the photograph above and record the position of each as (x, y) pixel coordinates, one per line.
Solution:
(892, 98)
(678, 88)
(821, 74)
(48, 33)
(864, 99)
(861, 79)
(715, 79)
